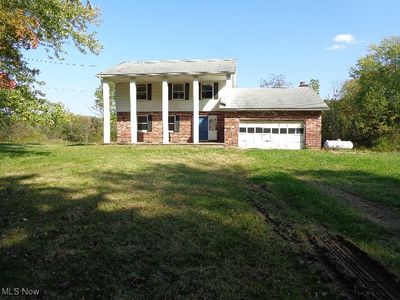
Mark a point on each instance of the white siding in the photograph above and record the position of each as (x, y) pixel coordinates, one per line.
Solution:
(122, 99)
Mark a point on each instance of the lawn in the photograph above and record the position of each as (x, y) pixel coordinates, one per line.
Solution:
(185, 222)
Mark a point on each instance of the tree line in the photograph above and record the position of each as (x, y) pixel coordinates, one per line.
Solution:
(366, 108)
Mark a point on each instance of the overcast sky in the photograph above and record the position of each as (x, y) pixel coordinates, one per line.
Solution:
(300, 39)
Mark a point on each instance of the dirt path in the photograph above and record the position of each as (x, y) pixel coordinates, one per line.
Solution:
(371, 211)
(350, 272)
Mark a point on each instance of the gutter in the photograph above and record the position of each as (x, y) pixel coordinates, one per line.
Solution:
(274, 109)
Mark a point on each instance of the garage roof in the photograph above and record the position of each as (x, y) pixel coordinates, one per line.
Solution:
(301, 98)
(166, 67)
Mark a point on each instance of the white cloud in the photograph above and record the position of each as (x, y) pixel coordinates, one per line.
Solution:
(344, 38)
(342, 41)
(336, 47)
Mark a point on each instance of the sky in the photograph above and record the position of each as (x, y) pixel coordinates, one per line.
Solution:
(301, 39)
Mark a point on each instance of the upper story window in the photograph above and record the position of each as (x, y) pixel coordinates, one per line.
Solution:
(141, 92)
(178, 91)
(209, 90)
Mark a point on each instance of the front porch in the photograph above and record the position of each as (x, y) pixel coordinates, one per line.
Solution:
(180, 128)
(171, 119)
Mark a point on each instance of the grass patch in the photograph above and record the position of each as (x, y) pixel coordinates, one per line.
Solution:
(139, 222)
(179, 222)
(373, 176)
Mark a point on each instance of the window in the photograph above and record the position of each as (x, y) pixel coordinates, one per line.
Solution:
(292, 130)
(141, 92)
(178, 91)
(299, 130)
(275, 130)
(242, 130)
(142, 122)
(207, 91)
(258, 130)
(250, 130)
(267, 130)
(212, 123)
(283, 131)
(173, 123)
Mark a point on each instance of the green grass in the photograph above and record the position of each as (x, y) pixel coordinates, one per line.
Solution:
(177, 221)
(373, 176)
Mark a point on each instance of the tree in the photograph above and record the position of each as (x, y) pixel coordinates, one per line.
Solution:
(26, 25)
(374, 91)
(275, 81)
(98, 100)
(314, 84)
(332, 124)
(83, 129)
(368, 110)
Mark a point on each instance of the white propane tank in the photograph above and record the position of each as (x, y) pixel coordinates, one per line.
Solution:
(338, 144)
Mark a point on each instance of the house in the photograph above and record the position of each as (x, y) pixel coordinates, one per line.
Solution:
(197, 101)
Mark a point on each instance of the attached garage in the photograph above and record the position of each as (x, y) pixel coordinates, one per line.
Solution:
(271, 135)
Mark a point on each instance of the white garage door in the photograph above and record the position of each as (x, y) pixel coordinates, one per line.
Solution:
(271, 135)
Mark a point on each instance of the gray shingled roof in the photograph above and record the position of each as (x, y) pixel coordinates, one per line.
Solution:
(301, 98)
(213, 66)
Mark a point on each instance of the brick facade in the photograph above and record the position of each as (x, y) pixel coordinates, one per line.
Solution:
(155, 135)
(227, 126)
(311, 119)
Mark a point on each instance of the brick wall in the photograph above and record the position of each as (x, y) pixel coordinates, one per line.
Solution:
(185, 128)
(227, 126)
(155, 135)
(123, 127)
(311, 119)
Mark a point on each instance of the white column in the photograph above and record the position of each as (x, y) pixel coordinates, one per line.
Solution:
(195, 111)
(165, 130)
(106, 113)
(228, 90)
(132, 97)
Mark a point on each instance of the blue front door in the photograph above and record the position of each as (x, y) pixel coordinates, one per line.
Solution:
(203, 128)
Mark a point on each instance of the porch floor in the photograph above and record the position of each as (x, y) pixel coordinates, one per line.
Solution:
(211, 144)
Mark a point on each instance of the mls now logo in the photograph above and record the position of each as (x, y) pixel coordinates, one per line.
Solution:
(19, 292)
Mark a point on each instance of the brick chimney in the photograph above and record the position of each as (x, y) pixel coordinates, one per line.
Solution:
(303, 84)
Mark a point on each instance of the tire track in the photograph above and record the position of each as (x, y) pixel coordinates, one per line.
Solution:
(354, 274)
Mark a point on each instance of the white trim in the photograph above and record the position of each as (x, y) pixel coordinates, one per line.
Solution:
(195, 111)
(164, 96)
(106, 113)
(133, 104)
(228, 90)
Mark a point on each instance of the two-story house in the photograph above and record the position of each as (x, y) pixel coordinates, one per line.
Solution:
(196, 101)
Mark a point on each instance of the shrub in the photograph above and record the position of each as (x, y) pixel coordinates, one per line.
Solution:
(389, 142)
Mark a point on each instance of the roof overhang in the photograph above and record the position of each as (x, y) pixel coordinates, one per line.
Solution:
(128, 75)
(274, 109)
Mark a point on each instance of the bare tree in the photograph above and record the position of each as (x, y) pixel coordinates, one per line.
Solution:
(275, 81)
(337, 91)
